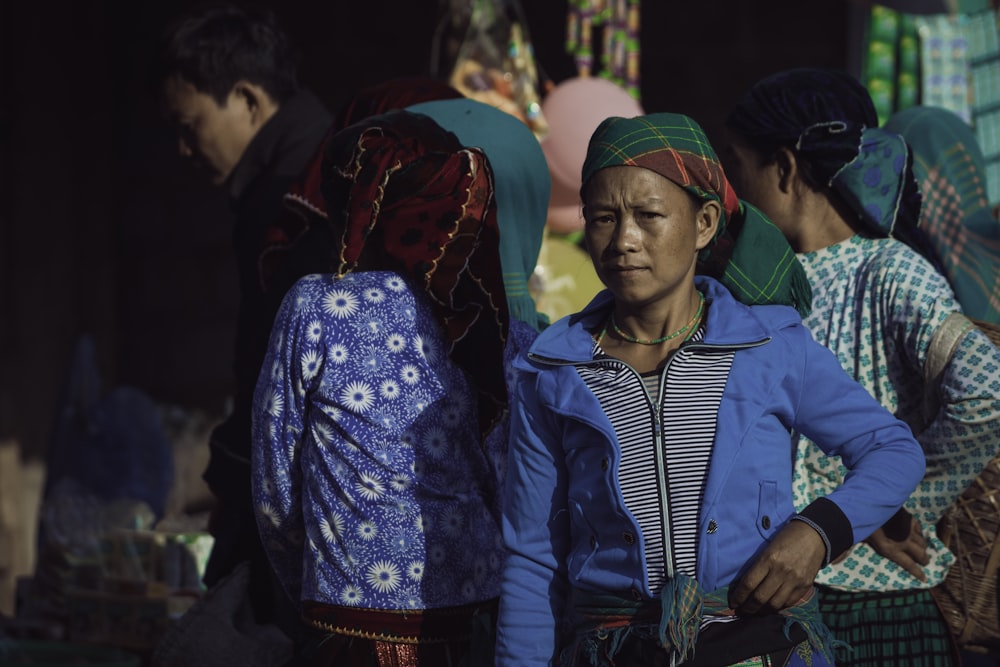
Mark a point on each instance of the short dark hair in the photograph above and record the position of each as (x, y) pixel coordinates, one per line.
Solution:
(216, 46)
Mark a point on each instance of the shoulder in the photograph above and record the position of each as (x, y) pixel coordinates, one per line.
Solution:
(895, 261)
(733, 322)
(342, 297)
(775, 317)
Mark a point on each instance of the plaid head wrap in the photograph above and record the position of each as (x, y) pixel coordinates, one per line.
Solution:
(956, 214)
(404, 193)
(829, 120)
(749, 255)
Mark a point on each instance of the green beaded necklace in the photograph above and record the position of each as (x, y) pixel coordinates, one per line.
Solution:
(690, 328)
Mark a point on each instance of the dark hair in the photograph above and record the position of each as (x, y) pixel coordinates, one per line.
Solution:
(818, 113)
(217, 46)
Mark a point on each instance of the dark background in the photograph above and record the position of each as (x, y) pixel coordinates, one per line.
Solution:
(104, 231)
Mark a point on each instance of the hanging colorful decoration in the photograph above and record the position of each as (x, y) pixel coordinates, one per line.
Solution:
(614, 24)
(482, 49)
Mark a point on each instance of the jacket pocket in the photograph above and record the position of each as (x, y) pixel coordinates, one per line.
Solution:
(768, 518)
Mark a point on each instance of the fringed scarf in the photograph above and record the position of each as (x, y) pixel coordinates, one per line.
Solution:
(603, 622)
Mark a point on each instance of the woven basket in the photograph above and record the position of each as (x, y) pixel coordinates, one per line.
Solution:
(968, 597)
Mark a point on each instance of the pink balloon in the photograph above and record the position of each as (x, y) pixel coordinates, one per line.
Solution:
(565, 208)
(573, 110)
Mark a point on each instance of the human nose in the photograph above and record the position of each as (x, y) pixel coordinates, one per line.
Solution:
(627, 233)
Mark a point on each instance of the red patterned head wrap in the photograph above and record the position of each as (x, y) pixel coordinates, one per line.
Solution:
(404, 195)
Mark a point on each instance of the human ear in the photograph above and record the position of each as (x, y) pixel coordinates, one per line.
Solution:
(256, 99)
(707, 219)
(788, 169)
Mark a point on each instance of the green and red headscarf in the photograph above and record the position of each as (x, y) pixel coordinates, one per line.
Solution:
(749, 255)
(401, 190)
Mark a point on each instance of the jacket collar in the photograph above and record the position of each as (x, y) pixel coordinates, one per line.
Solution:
(729, 323)
(283, 144)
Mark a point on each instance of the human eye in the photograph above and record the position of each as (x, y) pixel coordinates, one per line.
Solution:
(186, 129)
(599, 218)
(650, 215)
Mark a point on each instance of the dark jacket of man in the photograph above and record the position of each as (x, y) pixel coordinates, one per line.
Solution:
(272, 161)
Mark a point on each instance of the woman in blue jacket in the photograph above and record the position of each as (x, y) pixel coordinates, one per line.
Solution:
(648, 509)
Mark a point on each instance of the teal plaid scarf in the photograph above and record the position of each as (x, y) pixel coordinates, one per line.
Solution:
(749, 255)
(956, 216)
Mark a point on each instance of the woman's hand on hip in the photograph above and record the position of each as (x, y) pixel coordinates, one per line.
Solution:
(908, 550)
(783, 574)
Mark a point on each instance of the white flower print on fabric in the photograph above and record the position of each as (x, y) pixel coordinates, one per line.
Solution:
(323, 433)
(310, 362)
(351, 596)
(384, 576)
(400, 482)
(370, 446)
(374, 295)
(395, 284)
(331, 527)
(372, 360)
(340, 303)
(410, 374)
(337, 354)
(427, 348)
(367, 530)
(358, 396)
(274, 404)
(267, 511)
(370, 487)
(314, 332)
(395, 343)
(389, 389)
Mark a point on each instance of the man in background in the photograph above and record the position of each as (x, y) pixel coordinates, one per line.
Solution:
(228, 82)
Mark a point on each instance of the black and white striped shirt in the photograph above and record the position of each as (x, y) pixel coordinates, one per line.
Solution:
(666, 505)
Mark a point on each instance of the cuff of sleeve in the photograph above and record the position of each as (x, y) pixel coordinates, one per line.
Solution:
(832, 525)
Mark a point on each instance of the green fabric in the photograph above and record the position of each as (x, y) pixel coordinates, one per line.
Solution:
(896, 628)
(749, 255)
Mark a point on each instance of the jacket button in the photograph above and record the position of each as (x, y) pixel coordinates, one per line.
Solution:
(628, 537)
(604, 464)
(593, 541)
(765, 522)
(712, 526)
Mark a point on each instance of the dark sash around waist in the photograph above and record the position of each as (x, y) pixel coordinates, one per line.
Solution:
(416, 626)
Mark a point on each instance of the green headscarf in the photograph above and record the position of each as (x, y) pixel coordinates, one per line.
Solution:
(521, 187)
(749, 255)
